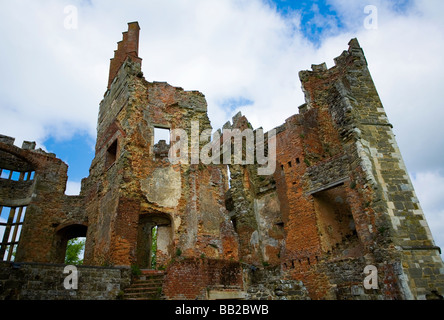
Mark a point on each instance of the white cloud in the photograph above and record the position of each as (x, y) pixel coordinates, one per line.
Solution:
(405, 60)
(430, 192)
(73, 188)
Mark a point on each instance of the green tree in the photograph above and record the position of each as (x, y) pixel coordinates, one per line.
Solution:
(74, 251)
(153, 247)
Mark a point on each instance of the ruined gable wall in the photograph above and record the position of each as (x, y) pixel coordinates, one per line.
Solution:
(399, 216)
(142, 182)
(47, 207)
(327, 213)
(254, 205)
(344, 197)
(347, 144)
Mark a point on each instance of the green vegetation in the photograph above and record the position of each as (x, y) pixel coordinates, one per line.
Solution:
(153, 247)
(74, 251)
(135, 270)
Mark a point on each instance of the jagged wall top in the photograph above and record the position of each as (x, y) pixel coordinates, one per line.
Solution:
(127, 47)
(354, 50)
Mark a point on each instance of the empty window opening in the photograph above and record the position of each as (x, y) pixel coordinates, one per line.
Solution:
(336, 224)
(75, 251)
(161, 145)
(228, 176)
(70, 244)
(154, 241)
(234, 222)
(289, 164)
(298, 161)
(16, 175)
(153, 247)
(111, 154)
(5, 174)
(161, 134)
(11, 221)
(282, 167)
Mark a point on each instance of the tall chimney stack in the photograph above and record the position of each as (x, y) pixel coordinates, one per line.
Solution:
(128, 47)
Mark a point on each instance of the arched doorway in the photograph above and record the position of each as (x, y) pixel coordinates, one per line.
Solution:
(153, 240)
(65, 233)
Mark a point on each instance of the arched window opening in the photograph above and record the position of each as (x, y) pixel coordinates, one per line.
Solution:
(69, 244)
(75, 250)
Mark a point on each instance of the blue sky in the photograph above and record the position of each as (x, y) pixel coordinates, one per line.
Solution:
(318, 20)
(76, 151)
(244, 55)
(318, 17)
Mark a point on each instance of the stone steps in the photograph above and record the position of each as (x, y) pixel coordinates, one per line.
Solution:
(148, 286)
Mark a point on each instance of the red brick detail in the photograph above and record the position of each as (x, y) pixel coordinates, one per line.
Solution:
(190, 278)
(128, 47)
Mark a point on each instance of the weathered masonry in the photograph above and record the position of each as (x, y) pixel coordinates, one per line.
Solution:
(339, 200)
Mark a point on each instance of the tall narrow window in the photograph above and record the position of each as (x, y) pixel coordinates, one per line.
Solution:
(11, 221)
(153, 250)
(111, 154)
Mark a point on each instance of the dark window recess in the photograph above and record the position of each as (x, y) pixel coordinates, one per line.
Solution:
(234, 221)
(289, 164)
(298, 161)
(111, 154)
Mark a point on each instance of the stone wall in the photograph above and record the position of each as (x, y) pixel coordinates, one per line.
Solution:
(39, 193)
(37, 281)
(268, 284)
(133, 186)
(344, 197)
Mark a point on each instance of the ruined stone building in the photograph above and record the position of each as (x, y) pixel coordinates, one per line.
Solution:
(340, 200)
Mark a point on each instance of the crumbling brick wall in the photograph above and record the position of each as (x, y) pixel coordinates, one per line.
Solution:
(131, 181)
(339, 200)
(197, 276)
(345, 198)
(42, 201)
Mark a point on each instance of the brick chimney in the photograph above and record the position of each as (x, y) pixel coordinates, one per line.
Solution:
(128, 47)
